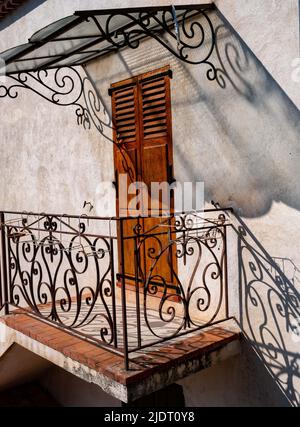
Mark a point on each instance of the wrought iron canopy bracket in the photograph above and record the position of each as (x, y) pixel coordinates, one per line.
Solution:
(66, 86)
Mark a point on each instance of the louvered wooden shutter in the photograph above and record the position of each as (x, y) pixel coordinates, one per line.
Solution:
(125, 114)
(141, 108)
(156, 126)
(126, 136)
(154, 108)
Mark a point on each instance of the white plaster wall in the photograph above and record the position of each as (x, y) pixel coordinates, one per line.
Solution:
(241, 141)
(53, 159)
(271, 30)
(238, 381)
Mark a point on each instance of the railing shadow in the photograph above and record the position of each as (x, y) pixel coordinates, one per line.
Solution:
(269, 312)
(290, 269)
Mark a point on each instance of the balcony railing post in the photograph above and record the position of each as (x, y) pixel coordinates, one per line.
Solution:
(1, 283)
(137, 290)
(4, 264)
(112, 269)
(123, 296)
(225, 272)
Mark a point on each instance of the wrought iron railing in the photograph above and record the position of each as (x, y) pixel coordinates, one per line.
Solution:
(122, 283)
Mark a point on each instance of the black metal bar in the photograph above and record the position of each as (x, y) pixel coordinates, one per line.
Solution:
(225, 270)
(76, 51)
(75, 232)
(113, 290)
(123, 298)
(137, 292)
(138, 21)
(24, 213)
(208, 227)
(10, 293)
(59, 57)
(66, 233)
(35, 58)
(2, 299)
(150, 9)
(81, 37)
(4, 263)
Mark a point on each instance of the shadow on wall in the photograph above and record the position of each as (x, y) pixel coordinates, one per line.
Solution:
(20, 12)
(299, 24)
(248, 130)
(269, 306)
(289, 269)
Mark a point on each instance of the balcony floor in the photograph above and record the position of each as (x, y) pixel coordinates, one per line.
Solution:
(97, 319)
(171, 360)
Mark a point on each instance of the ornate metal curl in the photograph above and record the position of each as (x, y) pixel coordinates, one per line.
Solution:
(194, 298)
(66, 87)
(66, 281)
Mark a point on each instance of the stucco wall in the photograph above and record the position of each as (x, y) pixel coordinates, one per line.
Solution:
(235, 382)
(242, 141)
(271, 30)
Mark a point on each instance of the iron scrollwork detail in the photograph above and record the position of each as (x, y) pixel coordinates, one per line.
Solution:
(190, 295)
(66, 280)
(67, 87)
(64, 86)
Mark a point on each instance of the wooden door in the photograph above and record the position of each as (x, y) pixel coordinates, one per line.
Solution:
(141, 108)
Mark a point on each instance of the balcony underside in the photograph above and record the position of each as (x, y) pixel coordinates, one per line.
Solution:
(150, 369)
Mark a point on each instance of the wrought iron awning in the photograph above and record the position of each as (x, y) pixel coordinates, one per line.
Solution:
(47, 64)
(87, 35)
